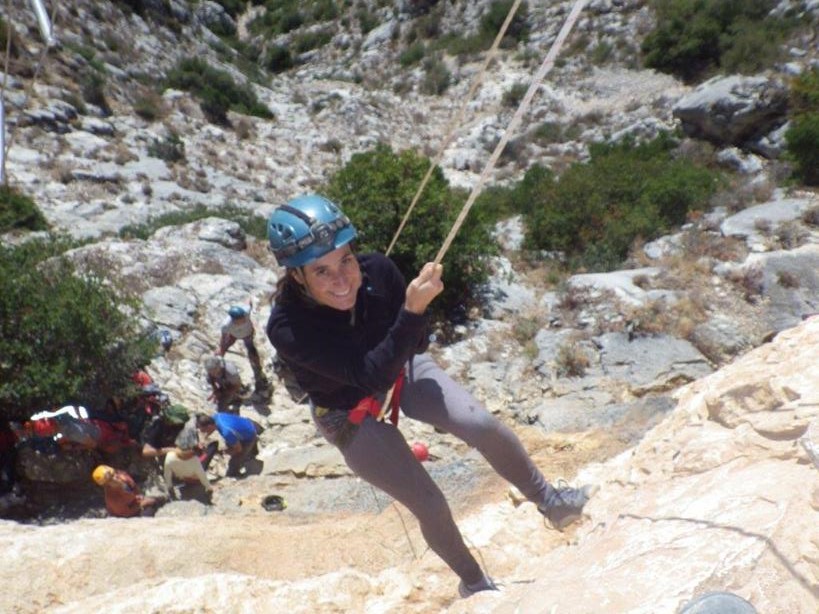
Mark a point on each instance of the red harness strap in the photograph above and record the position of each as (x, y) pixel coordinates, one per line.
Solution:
(370, 405)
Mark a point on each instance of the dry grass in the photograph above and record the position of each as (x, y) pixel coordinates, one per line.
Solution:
(571, 360)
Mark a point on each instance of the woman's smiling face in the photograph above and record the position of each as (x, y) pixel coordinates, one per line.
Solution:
(333, 280)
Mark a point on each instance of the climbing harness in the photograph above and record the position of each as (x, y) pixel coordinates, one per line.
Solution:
(369, 406)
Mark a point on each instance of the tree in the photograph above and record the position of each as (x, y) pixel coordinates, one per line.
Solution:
(63, 336)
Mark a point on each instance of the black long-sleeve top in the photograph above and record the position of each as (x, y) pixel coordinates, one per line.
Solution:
(339, 357)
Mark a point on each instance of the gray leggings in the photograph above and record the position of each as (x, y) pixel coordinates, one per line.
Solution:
(379, 454)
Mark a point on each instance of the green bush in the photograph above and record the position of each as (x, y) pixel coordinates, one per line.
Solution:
(593, 212)
(234, 8)
(278, 59)
(150, 106)
(283, 16)
(490, 24)
(308, 41)
(436, 77)
(367, 21)
(278, 18)
(802, 139)
(216, 90)
(693, 38)
(93, 86)
(412, 54)
(18, 211)
(493, 19)
(802, 136)
(171, 148)
(253, 225)
(804, 93)
(512, 97)
(63, 337)
(375, 189)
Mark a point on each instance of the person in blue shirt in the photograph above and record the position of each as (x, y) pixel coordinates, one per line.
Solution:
(239, 434)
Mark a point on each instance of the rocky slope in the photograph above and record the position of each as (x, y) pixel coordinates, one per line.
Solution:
(719, 496)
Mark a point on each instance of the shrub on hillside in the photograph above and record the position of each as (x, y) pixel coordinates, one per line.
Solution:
(437, 77)
(18, 211)
(802, 139)
(215, 89)
(492, 20)
(171, 148)
(283, 16)
(277, 59)
(488, 28)
(802, 136)
(594, 211)
(695, 37)
(251, 223)
(63, 336)
(375, 189)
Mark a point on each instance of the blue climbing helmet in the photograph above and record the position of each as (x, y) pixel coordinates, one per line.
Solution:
(307, 228)
(237, 312)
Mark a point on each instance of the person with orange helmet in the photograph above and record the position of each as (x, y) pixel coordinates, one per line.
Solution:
(122, 495)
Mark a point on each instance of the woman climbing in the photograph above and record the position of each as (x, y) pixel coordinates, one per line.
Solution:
(354, 335)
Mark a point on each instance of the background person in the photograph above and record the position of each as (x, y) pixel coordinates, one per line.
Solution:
(239, 434)
(350, 328)
(239, 326)
(184, 463)
(122, 496)
(225, 382)
(159, 435)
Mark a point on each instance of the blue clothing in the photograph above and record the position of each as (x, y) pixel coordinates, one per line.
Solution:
(234, 429)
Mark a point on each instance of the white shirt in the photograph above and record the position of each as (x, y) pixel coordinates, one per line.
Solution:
(184, 469)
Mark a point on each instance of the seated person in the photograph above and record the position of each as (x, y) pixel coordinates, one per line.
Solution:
(184, 462)
(122, 496)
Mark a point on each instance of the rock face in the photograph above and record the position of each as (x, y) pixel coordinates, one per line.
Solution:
(719, 496)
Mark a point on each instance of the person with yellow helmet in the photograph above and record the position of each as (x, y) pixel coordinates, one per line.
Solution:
(122, 495)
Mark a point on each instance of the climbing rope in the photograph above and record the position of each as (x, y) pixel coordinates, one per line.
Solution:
(45, 30)
(545, 67)
(457, 119)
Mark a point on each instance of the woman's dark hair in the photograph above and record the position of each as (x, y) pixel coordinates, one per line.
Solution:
(288, 290)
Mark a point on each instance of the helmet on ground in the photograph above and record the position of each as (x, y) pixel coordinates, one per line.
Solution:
(102, 474)
(237, 312)
(307, 228)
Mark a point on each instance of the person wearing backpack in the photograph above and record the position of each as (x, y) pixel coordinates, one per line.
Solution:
(355, 336)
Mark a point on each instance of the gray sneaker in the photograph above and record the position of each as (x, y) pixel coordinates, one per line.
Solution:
(564, 505)
(484, 584)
